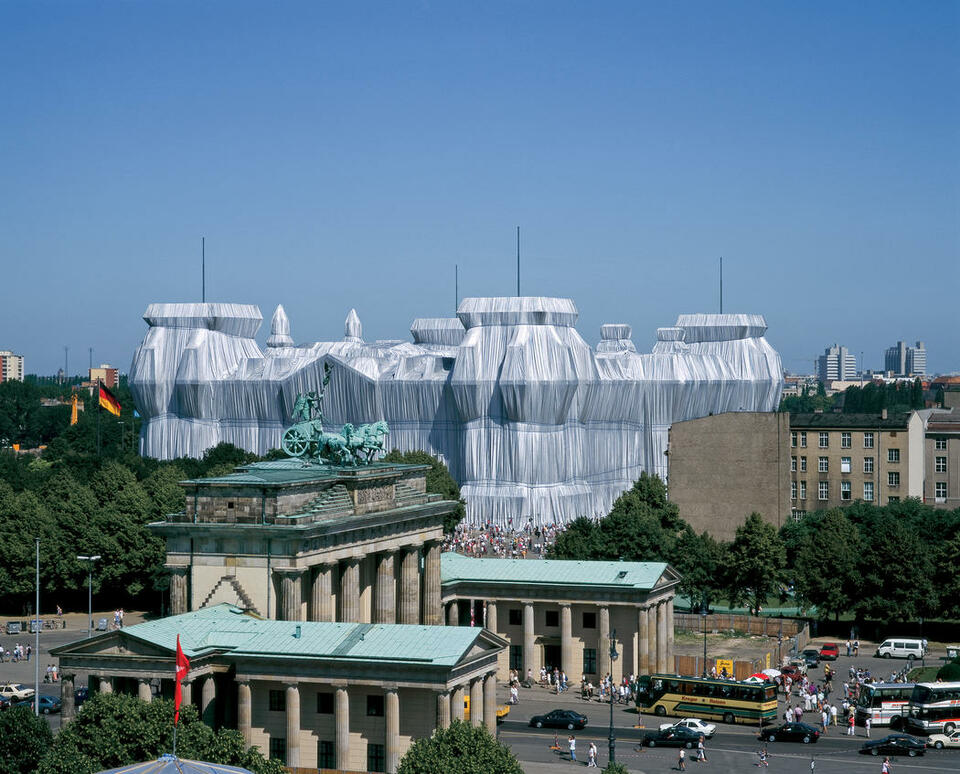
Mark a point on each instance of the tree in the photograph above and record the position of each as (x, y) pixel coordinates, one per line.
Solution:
(113, 730)
(755, 564)
(580, 539)
(24, 738)
(439, 481)
(459, 749)
(826, 562)
(699, 559)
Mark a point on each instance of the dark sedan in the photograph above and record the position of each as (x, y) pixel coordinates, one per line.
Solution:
(812, 657)
(48, 704)
(559, 718)
(675, 736)
(895, 744)
(792, 732)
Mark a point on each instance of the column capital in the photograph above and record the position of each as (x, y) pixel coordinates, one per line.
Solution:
(289, 571)
(390, 687)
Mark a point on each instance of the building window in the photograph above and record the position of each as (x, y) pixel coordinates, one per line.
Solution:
(803, 439)
(553, 618)
(844, 464)
(798, 514)
(846, 440)
(803, 490)
(793, 439)
(376, 757)
(868, 491)
(515, 616)
(824, 440)
(793, 490)
(893, 455)
(278, 748)
(940, 444)
(278, 702)
(868, 464)
(893, 479)
(846, 490)
(793, 464)
(893, 499)
(590, 660)
(941, 491)
(941, 465)
(516, 657)
(589, 620)
(803, 464)
(824, 465)
(375, 705)
(325, 703)
(868, 440)
(326, 755)
(823, 490)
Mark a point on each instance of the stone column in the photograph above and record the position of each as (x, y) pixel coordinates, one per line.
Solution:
(290, 608)
(143, 690)
(321, 594)
(491, 622)
(178, 590)
(566, 644)
(456, 703)
(643, 630)
(245, 711)
(603, 642)
(410, 585)
(432, 606)
(652, 637)
(529, 646)
(208, 701)
(293, 725)
(670, 660)
(453, 613)
(490, 702)
(106, 685)
(385, 604)
(186, 692)
(661, 637)
(350, 591)
(68, 709)
(476, 702)
(341, 709)
(392, 725)
(443, 709)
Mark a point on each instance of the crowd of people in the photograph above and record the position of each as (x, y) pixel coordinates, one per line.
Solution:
(17, 653)
(494, 541)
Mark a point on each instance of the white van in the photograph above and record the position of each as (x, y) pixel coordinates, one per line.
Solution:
(901, 647)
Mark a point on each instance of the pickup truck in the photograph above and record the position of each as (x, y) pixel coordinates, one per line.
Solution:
(16, 691)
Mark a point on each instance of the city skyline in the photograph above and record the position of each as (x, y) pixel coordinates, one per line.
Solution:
(339, 157)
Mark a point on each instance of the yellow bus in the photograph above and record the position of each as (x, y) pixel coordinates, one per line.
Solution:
(728, 700)
(502, 711)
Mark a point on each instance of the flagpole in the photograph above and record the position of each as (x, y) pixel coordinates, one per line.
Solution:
(98, 417)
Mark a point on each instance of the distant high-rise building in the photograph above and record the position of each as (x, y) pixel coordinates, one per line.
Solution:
(902, 360)
(11, 366)
(836, 363)
(106, 374)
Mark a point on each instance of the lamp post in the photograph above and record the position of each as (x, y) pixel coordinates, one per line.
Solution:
(703, 614)
(90, 559)
(613, 657)
(36, 641)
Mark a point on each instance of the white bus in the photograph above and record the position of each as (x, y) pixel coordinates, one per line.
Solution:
(934, 707)
(884, 703)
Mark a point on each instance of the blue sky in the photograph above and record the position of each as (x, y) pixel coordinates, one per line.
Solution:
(339, 155)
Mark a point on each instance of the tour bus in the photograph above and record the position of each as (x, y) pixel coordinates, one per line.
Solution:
(884, 703)
(731, 701)
(934, 708)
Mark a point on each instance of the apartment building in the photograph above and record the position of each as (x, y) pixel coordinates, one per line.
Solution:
(836, 363)
(942, 457)
(903, 360)
(11, 366)
(836, 459)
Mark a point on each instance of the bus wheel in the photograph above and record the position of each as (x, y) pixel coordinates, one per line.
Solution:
(660, 710)
(949, 728)
(728, 717)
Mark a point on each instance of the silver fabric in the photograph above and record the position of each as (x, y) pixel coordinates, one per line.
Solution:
(533, 423)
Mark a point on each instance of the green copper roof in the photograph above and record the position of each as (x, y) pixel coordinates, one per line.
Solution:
(551, 572)
(227, 628)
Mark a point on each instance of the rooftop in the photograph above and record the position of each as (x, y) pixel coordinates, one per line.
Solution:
(894, 421)
(551, 572)
(296, 471)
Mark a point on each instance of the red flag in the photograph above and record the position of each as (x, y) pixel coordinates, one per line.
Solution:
(183, 666)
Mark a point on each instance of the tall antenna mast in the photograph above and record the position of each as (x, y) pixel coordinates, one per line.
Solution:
(518, 260)
(456, 287)
(66, 363)
(91, 358)
(203, 269)
(721, 284)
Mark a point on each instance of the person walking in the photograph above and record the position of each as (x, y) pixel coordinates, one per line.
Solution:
(763, 757)
(592, 756)
(701, 751)
(886, 768)
(866, 726)
(682, 760)
(572, 743)
(851, 721)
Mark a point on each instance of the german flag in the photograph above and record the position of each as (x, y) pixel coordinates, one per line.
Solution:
(108, 401)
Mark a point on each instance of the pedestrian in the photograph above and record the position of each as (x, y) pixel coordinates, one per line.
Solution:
(850, 724)
(866, 726)
(572, 742)
(682, 760)
(833, 714)
(885, 768)
(856, 648)
(848, 648)
(592, 756)
(824, 721)
(701, 752)
(763, 757)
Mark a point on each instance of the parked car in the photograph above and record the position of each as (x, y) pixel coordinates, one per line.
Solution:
(694, 724)
(48, 704)
(812, 657)
(829, 651)
(16, 691)
(14, 627)
(559, 718)
(799, 663)
(895, 744)
(4, 703)
(674, 736)
(792, 732)
(939, 741)
(900, 647)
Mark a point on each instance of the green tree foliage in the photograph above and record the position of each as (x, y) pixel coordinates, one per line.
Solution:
(755, 563)
(24, 738)
(113, 730)
(874, 397)
(579, 540)
(616, 768)
(439, 481)
(459, 749)
(806, 402)
(825, 562)
(700, 560)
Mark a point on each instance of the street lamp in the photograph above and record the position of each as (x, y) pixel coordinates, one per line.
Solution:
(703, 614)
(90, 559)
(613, 657)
